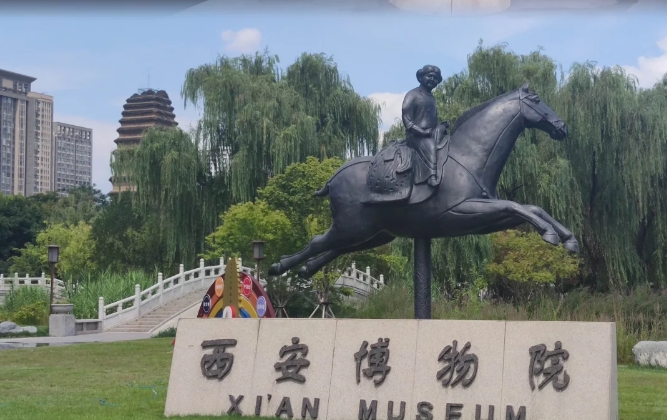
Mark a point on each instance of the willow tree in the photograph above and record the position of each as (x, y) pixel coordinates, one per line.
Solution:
(257, 119)
(617, 149)
(173, 190)
(606, 180)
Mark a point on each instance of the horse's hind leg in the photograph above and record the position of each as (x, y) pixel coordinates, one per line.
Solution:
(486, 216)
(567, 238)
(315, 264)
(333, 238)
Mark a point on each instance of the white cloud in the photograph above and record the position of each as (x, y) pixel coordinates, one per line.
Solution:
(649, 70)
(243, 41)
(391, 104)
(104, 134)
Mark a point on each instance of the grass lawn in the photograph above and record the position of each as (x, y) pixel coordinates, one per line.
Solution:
(129, 381)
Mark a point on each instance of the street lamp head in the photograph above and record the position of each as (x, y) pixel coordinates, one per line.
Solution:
(54, 250)
(258, 250)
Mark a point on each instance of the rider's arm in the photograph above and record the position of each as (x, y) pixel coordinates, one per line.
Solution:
(408, 107)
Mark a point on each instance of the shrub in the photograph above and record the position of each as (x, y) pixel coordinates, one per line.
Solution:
(24, 296)
(111, 286)
(33, 314)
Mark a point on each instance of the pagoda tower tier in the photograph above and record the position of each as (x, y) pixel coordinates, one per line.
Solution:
(145, 109)
(149, 108)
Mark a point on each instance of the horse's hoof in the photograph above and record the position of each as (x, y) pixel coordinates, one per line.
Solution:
(572, 245)
(551, 238)
(303, 272)
(276, 269)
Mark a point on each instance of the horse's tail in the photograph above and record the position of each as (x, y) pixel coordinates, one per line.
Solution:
(323, 192)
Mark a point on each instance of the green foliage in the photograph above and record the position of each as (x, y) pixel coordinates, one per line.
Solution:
(21, 219)
(292, 193)
(76, 248)
(80, 204)
(33, 314)
(26, 306)
(169, 332)
(257, 121)
(112, 286)
(605, 182)
(523, 257)
(24, 296)
(168, 171)
(125, 239)
(242, 224)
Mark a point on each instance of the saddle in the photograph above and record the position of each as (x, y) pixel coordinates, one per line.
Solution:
(390, 177)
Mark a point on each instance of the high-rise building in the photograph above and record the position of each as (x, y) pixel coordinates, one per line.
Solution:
(26, 140)
(148, 108)
(73, 156)
(43, 143)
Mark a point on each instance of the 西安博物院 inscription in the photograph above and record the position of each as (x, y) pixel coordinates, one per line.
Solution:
(296, 361)
(539, 356)
(458, 363)
(466, 389)
(219, 363)
(377, 359)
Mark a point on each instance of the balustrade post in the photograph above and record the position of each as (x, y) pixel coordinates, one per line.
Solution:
(15, 283)
(101, 313)
(181, 277)
(160, 282)
(202, 271)
(137, 299)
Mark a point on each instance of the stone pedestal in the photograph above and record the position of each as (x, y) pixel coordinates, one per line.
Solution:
(62, 325)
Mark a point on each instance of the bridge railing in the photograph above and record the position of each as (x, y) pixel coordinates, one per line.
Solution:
(171, 288)
(361, 282)
(163, 291)
(9, 283)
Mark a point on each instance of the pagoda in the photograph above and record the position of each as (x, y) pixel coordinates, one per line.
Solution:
(145, 109)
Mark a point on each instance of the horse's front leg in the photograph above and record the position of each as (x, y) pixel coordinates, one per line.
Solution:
(567, 238)
(482, 216)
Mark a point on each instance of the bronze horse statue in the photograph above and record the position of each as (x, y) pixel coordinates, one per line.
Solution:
(465, 202)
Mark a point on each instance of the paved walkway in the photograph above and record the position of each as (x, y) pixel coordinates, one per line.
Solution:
(106, 337)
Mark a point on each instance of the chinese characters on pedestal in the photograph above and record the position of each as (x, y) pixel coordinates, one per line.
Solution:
(290, 368)
(219, 363)
(377, 359)
(539, 356)
(459, 366)
(459, 363)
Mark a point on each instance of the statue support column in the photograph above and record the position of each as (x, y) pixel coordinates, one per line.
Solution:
(422, 277)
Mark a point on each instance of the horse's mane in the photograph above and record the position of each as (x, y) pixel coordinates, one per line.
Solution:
(472, 111)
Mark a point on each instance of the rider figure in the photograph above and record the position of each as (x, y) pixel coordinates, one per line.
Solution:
(423, 130)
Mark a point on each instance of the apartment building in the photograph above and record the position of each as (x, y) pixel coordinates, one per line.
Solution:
(73, 156)
(26, 139)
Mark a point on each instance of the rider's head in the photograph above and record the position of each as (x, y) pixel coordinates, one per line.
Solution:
(429, 76)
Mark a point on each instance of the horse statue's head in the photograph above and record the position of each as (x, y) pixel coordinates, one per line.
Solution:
(539, 115)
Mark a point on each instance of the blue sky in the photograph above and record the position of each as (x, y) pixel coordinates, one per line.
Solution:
(92, 63)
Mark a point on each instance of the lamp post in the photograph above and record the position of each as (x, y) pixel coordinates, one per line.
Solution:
(54, 250)
(257, 254)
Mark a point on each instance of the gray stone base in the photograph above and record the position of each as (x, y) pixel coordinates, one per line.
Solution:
(651, 353)
(62, 325)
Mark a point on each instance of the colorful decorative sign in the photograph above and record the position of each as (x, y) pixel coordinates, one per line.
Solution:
(206, 304)
(247, 287)
(255, 304)
(261, 307)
